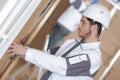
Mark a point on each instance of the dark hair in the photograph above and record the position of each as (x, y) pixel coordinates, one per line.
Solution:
(92, 22)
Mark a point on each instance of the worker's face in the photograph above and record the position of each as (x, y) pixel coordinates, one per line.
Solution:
(84, 28)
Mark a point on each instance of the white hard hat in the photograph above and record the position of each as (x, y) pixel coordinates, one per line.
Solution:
(98, 13)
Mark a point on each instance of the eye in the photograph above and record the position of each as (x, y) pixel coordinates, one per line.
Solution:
(83, 23)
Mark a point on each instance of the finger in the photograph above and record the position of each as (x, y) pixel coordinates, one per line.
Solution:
(12, 48)
(20, 43)
(14, 43)
(10, 51)
(12, 56)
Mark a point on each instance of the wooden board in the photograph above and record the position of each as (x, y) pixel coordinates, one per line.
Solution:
(32, 27)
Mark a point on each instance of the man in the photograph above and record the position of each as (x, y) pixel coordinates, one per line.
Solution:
(68, 21)
(80, 62)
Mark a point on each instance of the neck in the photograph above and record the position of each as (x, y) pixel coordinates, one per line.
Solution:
(91, 39)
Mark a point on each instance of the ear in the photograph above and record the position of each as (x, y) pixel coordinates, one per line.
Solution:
(94, 27)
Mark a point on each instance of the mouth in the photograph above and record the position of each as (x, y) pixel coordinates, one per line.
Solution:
(79, 29)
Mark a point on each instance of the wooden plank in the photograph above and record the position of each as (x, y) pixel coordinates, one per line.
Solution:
(5, 59)
(12, 63)
(44, 19)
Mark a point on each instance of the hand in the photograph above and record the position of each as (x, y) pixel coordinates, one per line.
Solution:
(17, 49)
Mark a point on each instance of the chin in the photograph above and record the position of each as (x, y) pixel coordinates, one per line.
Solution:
(81, 36)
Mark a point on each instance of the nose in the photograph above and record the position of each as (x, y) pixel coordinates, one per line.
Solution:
(79, 25)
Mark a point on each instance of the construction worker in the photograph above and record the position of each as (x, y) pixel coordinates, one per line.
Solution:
(68, 21)
(76, 59)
